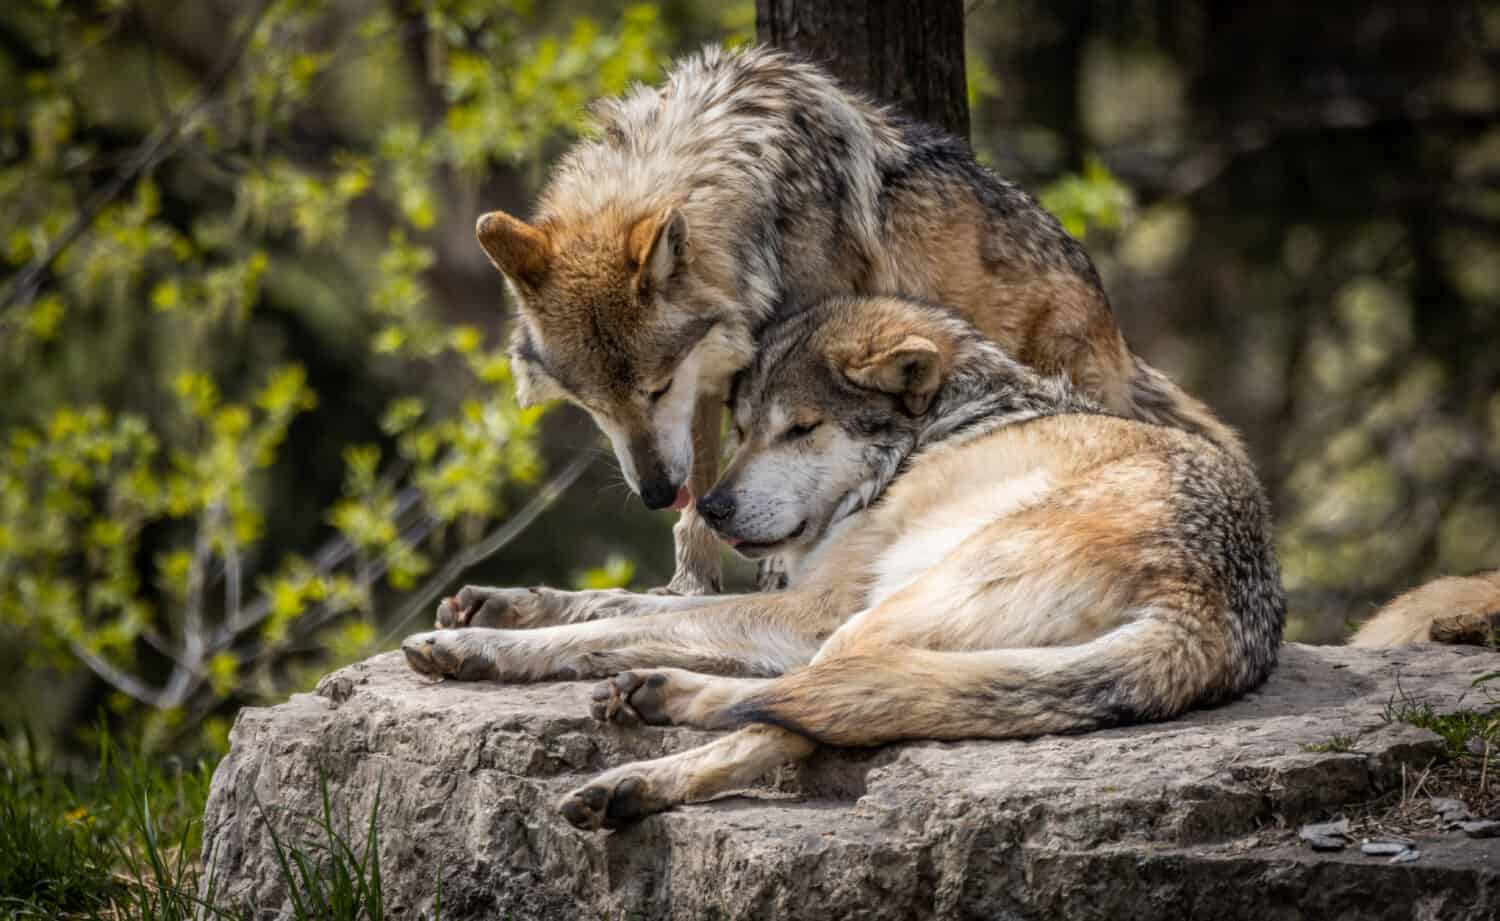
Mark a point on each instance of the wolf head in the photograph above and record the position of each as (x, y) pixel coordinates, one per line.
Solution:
(615, 320)
(835, 400)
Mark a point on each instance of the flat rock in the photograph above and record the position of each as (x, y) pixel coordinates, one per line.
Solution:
(1192, 818)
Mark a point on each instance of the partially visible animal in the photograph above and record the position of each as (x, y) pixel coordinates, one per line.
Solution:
(978, 552)
(1452, 609)
(701, 214)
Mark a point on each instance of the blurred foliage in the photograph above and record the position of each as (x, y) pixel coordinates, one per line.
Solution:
(1093, 199)
(118, 839)
(121, 840)
(199, 216)
(1296, 211)
(255, 403)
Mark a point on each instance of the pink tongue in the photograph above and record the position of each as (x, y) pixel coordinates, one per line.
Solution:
(684, 498)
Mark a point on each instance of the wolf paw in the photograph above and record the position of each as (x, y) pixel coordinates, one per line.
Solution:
(449, 654)
(610, 803)
(632, 697)
(690, 583)
(505, 608)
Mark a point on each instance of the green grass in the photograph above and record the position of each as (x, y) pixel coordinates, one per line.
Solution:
(121, 841)
(1339, 743)
(90, 844)
(1461, 728)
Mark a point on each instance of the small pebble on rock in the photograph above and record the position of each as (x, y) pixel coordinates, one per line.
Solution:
(1326, 836)
(1484, 828)
(1451, 810)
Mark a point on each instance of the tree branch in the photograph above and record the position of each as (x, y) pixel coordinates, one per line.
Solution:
(122, 682)
(489, 546)
(159, 145)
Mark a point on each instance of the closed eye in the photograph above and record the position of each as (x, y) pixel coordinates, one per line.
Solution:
(800, 431)
(656, 395)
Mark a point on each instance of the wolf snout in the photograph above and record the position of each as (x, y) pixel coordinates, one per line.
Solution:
(717, 508)
(660, 493)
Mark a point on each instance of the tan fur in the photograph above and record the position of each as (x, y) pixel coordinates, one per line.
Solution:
(1451, 609)
(1021, 564)
(788, 190)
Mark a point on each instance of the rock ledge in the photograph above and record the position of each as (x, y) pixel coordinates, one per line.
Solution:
(1186, 819)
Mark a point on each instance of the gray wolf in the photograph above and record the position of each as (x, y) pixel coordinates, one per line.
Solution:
(1452, 609)
(699, 214)
(979, 552)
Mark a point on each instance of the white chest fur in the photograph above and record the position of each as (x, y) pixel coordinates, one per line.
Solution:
(942, 529)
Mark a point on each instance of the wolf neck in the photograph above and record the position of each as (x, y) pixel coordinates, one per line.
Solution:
(985, 390)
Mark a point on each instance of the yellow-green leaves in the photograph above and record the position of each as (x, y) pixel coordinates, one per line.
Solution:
(616, 572)
(503, 111)
(1092, 199)
(152, 520)
(223, 668)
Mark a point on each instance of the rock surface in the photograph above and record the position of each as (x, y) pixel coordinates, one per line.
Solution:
(1191, 818)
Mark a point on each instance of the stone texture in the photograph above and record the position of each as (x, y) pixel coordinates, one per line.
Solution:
(1191, 818)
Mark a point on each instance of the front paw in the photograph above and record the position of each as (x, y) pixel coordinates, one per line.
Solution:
(450, 654)
(631, 697)
(498, 608)
(611, 802)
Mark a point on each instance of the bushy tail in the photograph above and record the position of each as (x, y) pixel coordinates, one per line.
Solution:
(1149, 670)
(1448, 610)
(1154, 397)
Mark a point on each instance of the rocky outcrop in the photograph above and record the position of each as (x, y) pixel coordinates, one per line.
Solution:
(1191, 818)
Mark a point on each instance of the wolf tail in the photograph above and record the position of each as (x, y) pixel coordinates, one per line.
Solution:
(1154, 397)
(1464, 610)
(1152, 669)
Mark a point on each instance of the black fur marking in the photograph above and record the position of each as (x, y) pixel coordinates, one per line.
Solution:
(764, 712)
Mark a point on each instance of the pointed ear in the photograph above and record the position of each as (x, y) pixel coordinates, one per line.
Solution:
(912, 369)
(516, 248)
(657, 247)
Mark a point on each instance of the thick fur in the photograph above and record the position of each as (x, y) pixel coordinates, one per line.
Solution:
(666, 247)
(979, 552)
(1452, 609)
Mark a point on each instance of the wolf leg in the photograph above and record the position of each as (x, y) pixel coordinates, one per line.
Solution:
(1453, 609)
(1470, 628)
(748, 635)
(670, 697)
(697, 548)
(1148, 670)
(631, 792)
(521, 608)
(771, 574)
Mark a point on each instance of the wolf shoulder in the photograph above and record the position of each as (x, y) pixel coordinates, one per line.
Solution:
(1073, 443)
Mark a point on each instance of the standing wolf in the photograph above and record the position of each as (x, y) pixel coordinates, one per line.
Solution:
(986, 555)
(667, 246)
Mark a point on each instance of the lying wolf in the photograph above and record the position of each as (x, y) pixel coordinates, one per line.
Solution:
(1463, 610)
(981, 553)
(668, 246)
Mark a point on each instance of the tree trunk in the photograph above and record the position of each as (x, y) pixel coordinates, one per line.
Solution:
(906, 52)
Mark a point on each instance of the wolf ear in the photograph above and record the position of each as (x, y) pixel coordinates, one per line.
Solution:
(657, 247)
(912, 369)
(516, 248)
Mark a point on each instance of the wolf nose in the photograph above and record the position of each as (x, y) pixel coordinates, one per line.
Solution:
(658, 494)
(716, 508)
